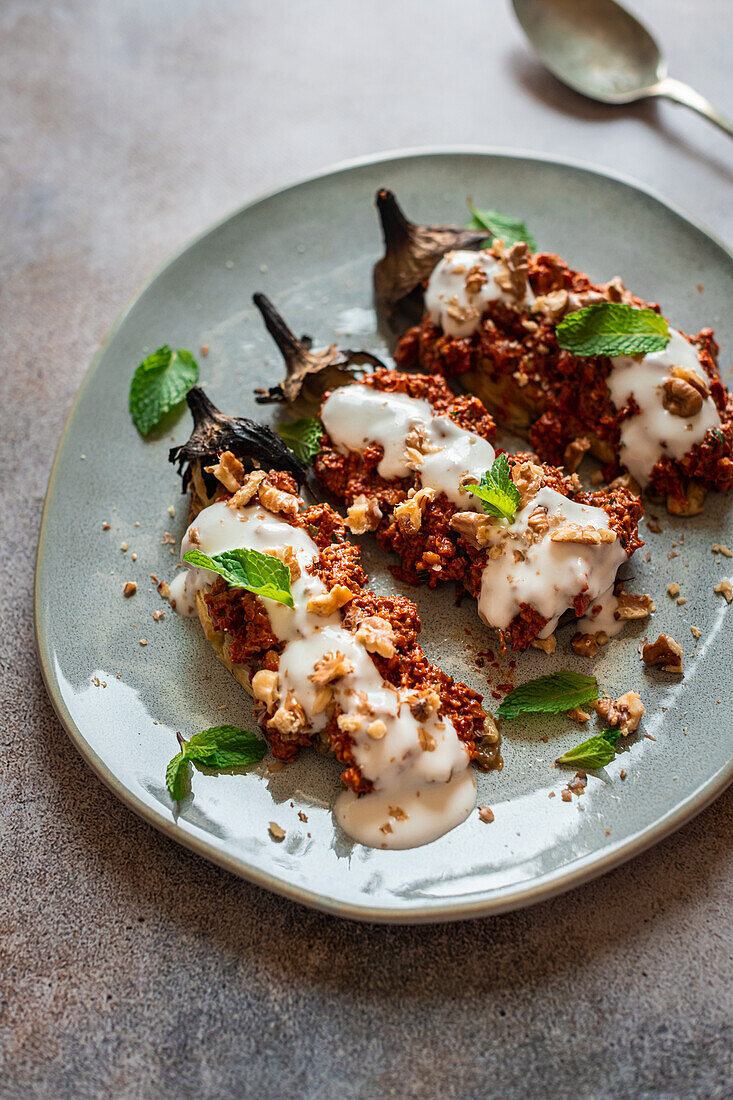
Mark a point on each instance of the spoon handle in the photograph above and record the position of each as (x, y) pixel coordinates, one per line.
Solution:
(683, 93)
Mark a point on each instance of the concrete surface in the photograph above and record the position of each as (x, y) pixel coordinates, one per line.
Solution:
(131, 968)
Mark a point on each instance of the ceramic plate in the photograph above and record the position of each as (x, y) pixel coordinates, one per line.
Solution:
(311, 248)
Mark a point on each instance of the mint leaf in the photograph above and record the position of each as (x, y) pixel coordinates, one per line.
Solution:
(550, 694)
(159, 383)
(499, 226)
(596, 752)
(612, 328)
(216, 748)
(498, 494)
(225, 747)
(303, 437)
(178, 777)
(262, 574)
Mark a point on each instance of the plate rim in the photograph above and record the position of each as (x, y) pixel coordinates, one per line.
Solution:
(502, 899)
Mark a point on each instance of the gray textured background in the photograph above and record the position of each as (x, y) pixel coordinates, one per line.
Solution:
(130, 966)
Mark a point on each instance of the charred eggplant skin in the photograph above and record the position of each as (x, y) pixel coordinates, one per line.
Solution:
(255, 445)
(308, 374)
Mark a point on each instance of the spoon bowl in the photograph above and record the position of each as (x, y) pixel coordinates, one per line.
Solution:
(599, 49)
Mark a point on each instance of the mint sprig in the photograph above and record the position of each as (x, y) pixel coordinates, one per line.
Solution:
(500, 227)
(216, 748)
(596, 752)
(159, 384)
(262, 574)
(612, 328)
(303, 437)
(498, 494)
(550, 694)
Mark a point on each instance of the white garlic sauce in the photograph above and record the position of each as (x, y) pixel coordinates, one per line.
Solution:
(418, 794)
(551, 574)
(456, 309)
(357, 415)
(655, 432)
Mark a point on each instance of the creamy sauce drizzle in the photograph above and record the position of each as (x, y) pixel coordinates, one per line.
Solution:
(357, 415)
(655, 432)
(418, 795)
(455, 308)
(551, 574)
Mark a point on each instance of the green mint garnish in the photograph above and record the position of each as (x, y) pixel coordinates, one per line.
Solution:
(159, 384)
(500, 227)
(612, 328)
(498, 494)
(550, 694)
(216, 748)
(303, 437)
(262, 574)
(596, 752)
(718, 435)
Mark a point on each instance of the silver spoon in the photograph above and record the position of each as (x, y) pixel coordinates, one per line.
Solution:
(600, 50)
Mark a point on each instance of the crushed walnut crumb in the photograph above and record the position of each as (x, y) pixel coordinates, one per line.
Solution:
(721, 548)
(276, 831)
(130, 589)
(724, 588)
(486, 814)
(329, 602)
(673, 589)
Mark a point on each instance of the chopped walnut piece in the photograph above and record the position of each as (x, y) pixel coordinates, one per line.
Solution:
(673, 589)
(513, 269)
(585, 645)
(250, 486)
(473, 527)
(423, 703)
(130, 589)
(573, 453)
(633, 605)
(363, 515)
(721, 548)
(538, 523)
(696, 632)
(586, 534)
(322, 699)
(277, 500)
(476, 277)
(724, 588)
(665, 652)
(547, 645)
(692, 378)
(328, 602)
(623, 713)
(527, 477)
(158, 615)
(397, 813)
(377, 729)
(427, 741)
(409, 514)
(265, 687)
(349, 723)
(461, 313)
(680, 398)
(276, 831)
(577, 714)
(286, 555)
(164, 590)
(486, 814)
(228, 470)
(289, 716)
(332, 666)
(377, 636)
(553, 305)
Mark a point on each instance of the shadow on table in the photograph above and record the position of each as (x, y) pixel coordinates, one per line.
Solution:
(543, 86)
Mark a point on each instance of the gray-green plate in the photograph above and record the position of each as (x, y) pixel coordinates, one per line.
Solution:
(310, 248)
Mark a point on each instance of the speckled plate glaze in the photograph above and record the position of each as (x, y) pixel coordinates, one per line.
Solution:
(311, 247)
